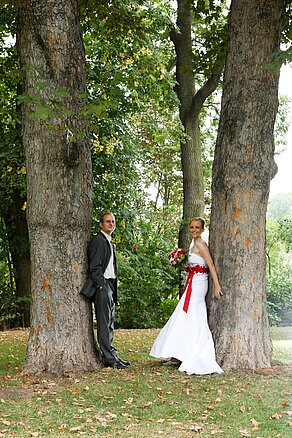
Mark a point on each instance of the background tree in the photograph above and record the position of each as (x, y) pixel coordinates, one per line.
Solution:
(57, 152)
(13, 182)
(242, 170)
(191, 100)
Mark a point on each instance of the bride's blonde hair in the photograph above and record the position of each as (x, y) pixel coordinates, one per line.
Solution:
(199, 219)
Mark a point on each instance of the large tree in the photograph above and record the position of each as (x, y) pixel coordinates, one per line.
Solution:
(59, 192)
(192, 93)
(242, 170)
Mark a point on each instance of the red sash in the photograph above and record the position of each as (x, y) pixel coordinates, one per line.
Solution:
(192, 270)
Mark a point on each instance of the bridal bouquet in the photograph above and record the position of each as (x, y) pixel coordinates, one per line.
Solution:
(177, 257)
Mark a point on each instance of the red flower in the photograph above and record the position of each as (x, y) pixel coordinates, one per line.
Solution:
(177, 257)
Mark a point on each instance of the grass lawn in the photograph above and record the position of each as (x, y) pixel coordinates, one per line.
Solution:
(148, 399)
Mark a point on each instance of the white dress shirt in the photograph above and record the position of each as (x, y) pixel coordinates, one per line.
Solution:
(110, 270)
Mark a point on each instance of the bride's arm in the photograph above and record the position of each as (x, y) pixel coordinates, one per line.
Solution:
(205, 253)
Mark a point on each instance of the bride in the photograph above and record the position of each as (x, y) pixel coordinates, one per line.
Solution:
(186, 339)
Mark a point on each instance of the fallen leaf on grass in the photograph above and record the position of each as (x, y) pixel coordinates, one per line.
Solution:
(129, 400)
(216, 430)
(203, 417)
(255, 423)
(110, 416)
(244, 432)
(276, 416)
(196, 428)
(242, 408)
(128, 427)
(6, 422)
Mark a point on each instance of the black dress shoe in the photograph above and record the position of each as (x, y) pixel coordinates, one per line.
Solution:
(125, 362)
(119, 365)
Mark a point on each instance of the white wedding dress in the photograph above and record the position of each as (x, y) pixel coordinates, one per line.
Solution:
(186, 336)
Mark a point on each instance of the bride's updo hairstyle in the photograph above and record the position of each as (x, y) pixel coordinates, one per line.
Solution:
(198, 219)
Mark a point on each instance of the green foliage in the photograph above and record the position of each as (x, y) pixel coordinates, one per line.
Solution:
(279, 296)
(283, 121)
(8, 307)
(148, 286)
(210, 36)
(279, 272)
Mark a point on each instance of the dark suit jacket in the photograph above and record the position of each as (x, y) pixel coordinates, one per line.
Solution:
(99, 252)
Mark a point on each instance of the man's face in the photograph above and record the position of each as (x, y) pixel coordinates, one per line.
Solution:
(108, 225)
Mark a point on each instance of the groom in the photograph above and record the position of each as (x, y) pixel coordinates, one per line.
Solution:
(101, 288)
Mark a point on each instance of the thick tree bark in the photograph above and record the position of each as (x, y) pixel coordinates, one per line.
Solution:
(59, 191)
(191, 103)
(242, 170)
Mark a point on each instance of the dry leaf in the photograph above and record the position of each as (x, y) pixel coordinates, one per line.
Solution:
(216, 430)
(244, 432)
(196, 428)
(276, 416)
(110, 415)
(129, 400)
(75, 429)
(254, 422)
(148, 404)
(242, 408)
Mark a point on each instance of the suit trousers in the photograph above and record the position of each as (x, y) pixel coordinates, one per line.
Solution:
(105, 312)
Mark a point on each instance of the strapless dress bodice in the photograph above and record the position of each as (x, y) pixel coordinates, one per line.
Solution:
(195, 259)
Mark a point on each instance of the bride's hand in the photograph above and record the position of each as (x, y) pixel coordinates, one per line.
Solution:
(217, 292)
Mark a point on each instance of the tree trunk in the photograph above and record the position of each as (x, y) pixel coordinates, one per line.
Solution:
(59, 192)
(242, 170)
(191, 103)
